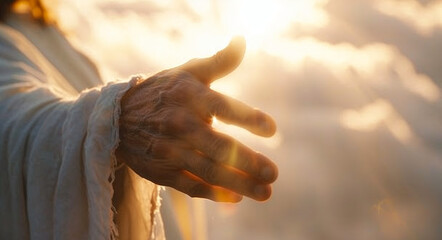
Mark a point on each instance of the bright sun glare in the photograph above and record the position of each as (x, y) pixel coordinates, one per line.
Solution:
(262, 20)
(256, 18)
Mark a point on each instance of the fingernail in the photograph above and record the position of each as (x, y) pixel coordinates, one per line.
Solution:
(265, 125)
(262, 192)
(267, 174)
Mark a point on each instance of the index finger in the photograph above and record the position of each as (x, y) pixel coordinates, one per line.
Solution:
(232, 111)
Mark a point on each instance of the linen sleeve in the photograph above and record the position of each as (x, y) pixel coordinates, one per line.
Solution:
(56, 152)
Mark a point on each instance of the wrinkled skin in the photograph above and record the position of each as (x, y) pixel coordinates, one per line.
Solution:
(167, 138)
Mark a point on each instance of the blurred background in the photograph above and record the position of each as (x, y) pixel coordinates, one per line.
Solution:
(354, 85)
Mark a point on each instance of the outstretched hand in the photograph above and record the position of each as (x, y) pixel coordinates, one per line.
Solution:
(167, 138)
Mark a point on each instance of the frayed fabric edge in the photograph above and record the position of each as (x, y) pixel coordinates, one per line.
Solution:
(157, 223)
(116, 138)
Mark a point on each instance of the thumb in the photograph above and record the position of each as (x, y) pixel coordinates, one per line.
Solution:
(219, 65)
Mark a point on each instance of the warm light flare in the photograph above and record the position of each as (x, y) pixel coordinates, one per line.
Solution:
(256, 18)
(263, 20)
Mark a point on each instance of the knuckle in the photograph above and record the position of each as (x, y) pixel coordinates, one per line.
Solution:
(209, 173)
(217, 103)
(183, 122)
(221, 147)
(191, 126)
(171, 121)
(188, 87)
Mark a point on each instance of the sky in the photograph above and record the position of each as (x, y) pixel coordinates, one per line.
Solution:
(354, 86)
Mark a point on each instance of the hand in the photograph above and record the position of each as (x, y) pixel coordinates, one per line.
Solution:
(167, 138)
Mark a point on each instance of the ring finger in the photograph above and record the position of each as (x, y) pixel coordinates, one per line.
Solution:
(223, 176)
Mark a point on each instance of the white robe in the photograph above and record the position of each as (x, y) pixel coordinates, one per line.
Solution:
(58, 133)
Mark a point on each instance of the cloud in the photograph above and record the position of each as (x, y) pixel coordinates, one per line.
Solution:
(424, 18)
(360, 23)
